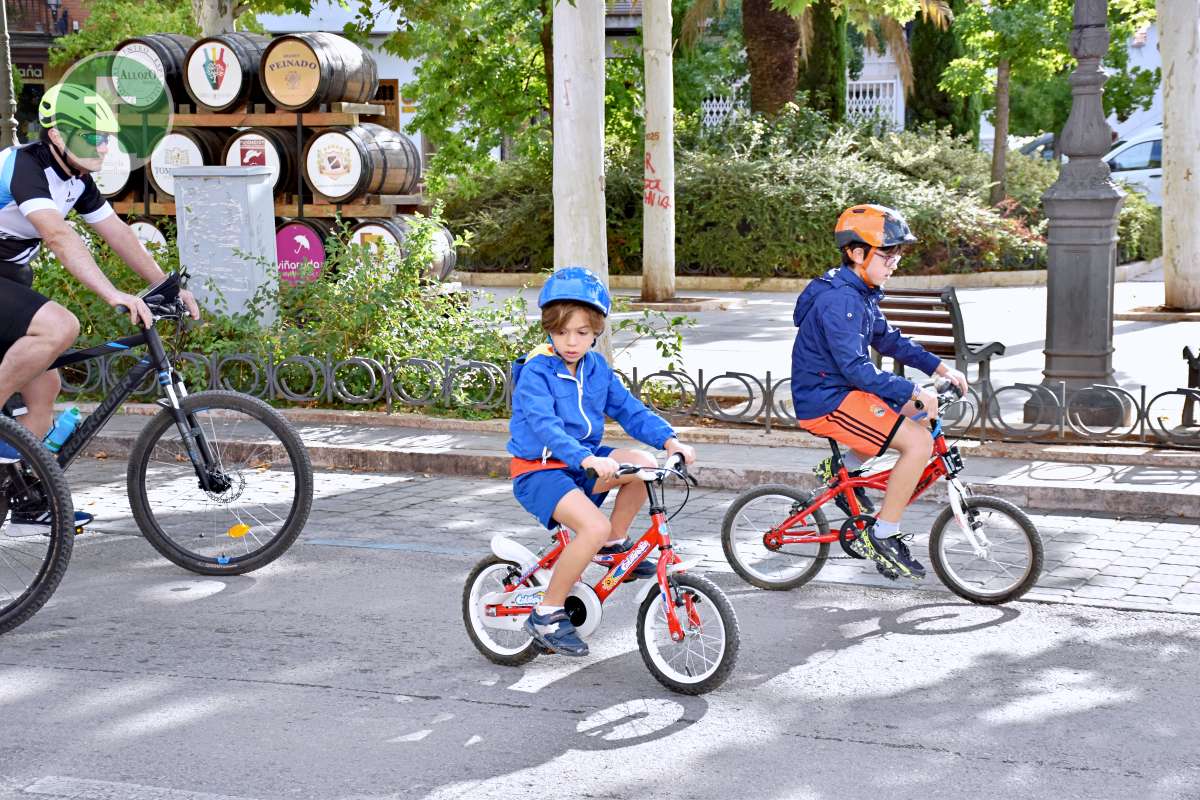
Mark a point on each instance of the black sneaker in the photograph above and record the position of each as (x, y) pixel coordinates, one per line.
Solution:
(647, 569)
(824, 473)
(82, 518)
(892, 553)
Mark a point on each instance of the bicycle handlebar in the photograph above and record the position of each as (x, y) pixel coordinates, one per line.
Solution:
(675, 465)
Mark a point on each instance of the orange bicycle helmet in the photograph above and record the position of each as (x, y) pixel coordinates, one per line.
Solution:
(872, 226)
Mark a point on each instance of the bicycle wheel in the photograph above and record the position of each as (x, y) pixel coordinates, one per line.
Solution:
(744, 536)
(1008, 568)
(500, 646)
(264, 492)
(33, 558)
(709, 650)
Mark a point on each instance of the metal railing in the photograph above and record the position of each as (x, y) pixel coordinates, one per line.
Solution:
(988, 413)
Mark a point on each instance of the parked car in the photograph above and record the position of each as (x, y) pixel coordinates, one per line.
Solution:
(1137, 161)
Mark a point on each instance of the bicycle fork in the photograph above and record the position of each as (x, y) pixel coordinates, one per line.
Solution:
(971, 527)
(198, 450)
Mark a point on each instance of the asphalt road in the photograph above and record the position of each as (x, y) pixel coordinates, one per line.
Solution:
(344, 671)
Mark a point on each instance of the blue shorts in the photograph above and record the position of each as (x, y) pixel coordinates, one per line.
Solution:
(540, 492)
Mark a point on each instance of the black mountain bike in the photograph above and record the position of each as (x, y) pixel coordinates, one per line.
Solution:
(219, 482)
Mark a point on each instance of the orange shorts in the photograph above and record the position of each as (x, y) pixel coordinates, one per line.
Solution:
(863, 422)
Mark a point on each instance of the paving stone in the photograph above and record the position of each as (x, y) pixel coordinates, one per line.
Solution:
(1134, 561)
(1181, 559)
(1167, 568)
(1088, 563)
(1112, 581)
(1158, 579)
(1074, 573)
(1099, 592)
(1150, 590)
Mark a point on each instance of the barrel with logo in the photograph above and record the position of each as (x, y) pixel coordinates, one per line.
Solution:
(300, 248)
(164, 56)
(222, 71)
(148, 232)
(302, 70)
(185, 147)
(345, 163)
(265, 147)
(394, 231)
(116, 174)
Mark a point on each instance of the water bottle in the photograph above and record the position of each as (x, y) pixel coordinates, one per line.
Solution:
(64, 426)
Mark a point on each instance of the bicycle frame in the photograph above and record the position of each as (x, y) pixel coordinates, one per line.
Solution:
(170, 384)
(944, 463)
(657, 535)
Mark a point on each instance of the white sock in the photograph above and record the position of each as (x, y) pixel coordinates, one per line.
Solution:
(614, 542)
(883, 530)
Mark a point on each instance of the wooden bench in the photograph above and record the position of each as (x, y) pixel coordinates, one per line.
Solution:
(933, 319)
(1193, 382)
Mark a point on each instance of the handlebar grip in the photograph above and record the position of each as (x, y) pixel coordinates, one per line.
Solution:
(121, 309)
(591, 473)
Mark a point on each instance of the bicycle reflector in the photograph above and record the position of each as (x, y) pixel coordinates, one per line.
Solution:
(238, 531)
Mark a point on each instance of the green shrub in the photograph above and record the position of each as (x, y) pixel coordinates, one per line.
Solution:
(367, 302)
(758, 197)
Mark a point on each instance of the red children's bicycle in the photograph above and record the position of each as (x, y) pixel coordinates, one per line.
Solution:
(984, 549)
(686, 629)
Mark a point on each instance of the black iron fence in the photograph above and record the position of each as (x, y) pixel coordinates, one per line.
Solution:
(1163, 418)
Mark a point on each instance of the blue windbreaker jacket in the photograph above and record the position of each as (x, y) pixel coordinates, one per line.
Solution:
(838, 319)
(557, 415)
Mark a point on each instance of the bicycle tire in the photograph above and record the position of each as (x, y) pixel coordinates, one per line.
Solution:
(59, 537)
(705, 592)
(223, 563)
(737, 560)
(950, 576)
(506, 656)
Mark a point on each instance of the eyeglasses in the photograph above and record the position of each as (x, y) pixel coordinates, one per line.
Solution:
(95, 139)
(891, 254)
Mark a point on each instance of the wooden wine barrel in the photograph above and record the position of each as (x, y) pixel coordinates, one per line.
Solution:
(148, 232)
(272, 148)
(298, 241)
(164, 55)
(185, 147)
(116, 174)
(303, 70)
(222, 71)
(395, 231)
(345, 163)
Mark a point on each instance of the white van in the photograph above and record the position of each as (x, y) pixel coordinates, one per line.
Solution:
(1138, 162)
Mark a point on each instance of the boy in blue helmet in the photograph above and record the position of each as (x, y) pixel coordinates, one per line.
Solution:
(562, 393)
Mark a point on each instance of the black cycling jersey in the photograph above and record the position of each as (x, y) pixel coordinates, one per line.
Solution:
(30, 180)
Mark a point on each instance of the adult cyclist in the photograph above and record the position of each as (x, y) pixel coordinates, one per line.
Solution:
(40, 183)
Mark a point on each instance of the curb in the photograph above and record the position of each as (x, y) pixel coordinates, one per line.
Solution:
(974, 280)
(1154, 315)
(1124, 455)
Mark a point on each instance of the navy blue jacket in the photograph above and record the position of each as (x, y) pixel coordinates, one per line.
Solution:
(557, 415)
(838, 321)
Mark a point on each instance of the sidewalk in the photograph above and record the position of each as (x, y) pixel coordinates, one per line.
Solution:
(757, 337)
(1118, 481)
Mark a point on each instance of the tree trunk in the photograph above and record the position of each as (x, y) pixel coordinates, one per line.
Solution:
(823, 75)
(773, 51)
(214, 16)
(547, 38)
(1000, 146)
(8, 103)
(658, 202)
(579, 208)
(1179, 44)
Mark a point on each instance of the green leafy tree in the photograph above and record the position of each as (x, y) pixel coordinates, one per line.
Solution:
(1024, 41)
(112, 21)
(933, 47)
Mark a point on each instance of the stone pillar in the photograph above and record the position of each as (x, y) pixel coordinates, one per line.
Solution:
(658, 188)
(1179, 43)
(1082, 208)
(8, 103)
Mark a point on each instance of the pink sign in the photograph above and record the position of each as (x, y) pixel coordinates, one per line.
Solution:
(294, 245)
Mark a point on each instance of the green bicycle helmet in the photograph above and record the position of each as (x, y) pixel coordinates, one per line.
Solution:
(71, 107)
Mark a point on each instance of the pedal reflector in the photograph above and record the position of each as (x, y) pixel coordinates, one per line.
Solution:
(238, 531)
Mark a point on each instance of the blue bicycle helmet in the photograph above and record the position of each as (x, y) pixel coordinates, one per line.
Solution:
(577, 284)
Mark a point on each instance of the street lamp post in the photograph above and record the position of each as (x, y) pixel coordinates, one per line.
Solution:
(1082, 208)
(8, 103)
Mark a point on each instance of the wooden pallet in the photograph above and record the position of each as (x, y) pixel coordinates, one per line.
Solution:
(266, 116)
